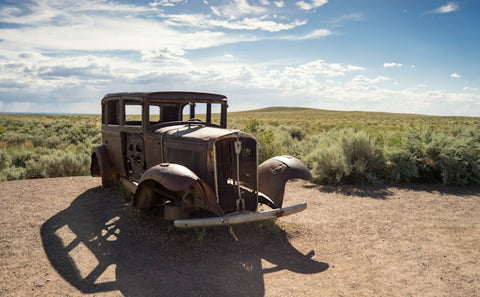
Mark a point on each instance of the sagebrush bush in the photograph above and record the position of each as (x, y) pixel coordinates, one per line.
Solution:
(272, 141)
(401, 166)
(449, 159)
(46, 146)
(346, 156)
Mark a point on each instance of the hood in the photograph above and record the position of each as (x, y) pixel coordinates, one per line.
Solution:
(198, 132)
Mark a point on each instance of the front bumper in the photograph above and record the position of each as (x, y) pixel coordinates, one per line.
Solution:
(239, 218)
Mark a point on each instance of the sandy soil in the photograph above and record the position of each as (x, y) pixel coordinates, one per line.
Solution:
(69, 237)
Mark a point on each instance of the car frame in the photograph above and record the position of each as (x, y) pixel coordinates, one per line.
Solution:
(199, 172)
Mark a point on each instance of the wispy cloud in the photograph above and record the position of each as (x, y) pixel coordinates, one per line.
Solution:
(449, 7)
(264, 23)
(319, 33)
(165, 3)
(455, 75)
(309, 5)
(165, 56)
(391, 65)
(363, 80)
(236, 8)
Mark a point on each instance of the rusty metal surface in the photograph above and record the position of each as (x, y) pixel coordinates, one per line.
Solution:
(178, 184)
(239, 218)
(102, 166)
(274, 173)
(173, 177)
(135, 155)
(194, 131)
(171, 96)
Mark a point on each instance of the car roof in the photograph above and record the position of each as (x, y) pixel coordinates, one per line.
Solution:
(178, 96)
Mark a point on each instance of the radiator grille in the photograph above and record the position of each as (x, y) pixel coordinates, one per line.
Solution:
(226, 163)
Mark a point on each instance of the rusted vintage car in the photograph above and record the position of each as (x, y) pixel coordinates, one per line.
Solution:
(173, 150)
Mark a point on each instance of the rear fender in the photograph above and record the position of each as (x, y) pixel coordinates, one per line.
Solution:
(102, 166)
(274, 173)
(178, 184)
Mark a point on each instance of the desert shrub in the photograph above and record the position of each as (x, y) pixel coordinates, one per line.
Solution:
(20, 156)
(401, 166)
(295, 132)
(271, 140)
(346, 156)
(450, 159)
(35, 146)
(58, 163)
(13, 173)
(4, 159)
(252, 126)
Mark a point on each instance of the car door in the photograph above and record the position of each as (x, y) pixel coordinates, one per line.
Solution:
(133, 138)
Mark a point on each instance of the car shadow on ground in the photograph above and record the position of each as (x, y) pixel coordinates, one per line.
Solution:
(97, 246)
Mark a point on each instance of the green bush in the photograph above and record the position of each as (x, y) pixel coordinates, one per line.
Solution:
(346, 156)
(34, 146)
(401, 167)
(449, 159)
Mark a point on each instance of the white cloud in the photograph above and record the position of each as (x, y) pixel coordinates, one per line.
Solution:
(165, 3)
(455, 75)
(278, 4)
(449, 7)
(355, 68)
(391, 65)
(236, 8)
(319, 33)
(264, 2)
(66, 12)
(165, 56)
(311, 4)
(470, 89)
(318, 83)
(363, 80)
(247, 23)
(215, 11)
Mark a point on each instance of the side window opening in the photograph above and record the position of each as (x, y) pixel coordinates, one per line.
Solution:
(216, 111)
(154, 114)
(133, 114)
(110, 113)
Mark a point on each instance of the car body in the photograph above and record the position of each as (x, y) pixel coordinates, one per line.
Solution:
(173, 150)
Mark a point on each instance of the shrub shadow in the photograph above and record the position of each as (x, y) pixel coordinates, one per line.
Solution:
(97, 247)
(385, 191)
(367, 191)
(473, 191)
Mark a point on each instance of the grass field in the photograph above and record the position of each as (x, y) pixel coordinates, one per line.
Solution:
(339, 147)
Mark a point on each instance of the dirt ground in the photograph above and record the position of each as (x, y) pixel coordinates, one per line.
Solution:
(69, 237)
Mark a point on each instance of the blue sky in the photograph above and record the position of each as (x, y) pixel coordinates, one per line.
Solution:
(394, 56)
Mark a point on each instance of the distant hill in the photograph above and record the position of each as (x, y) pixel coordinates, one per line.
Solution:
(313, 120)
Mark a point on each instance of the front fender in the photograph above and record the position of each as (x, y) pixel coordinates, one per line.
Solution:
(274, 173)
(178, 183)
(102, 166)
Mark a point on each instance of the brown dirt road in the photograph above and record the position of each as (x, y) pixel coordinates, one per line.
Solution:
(69, 237)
